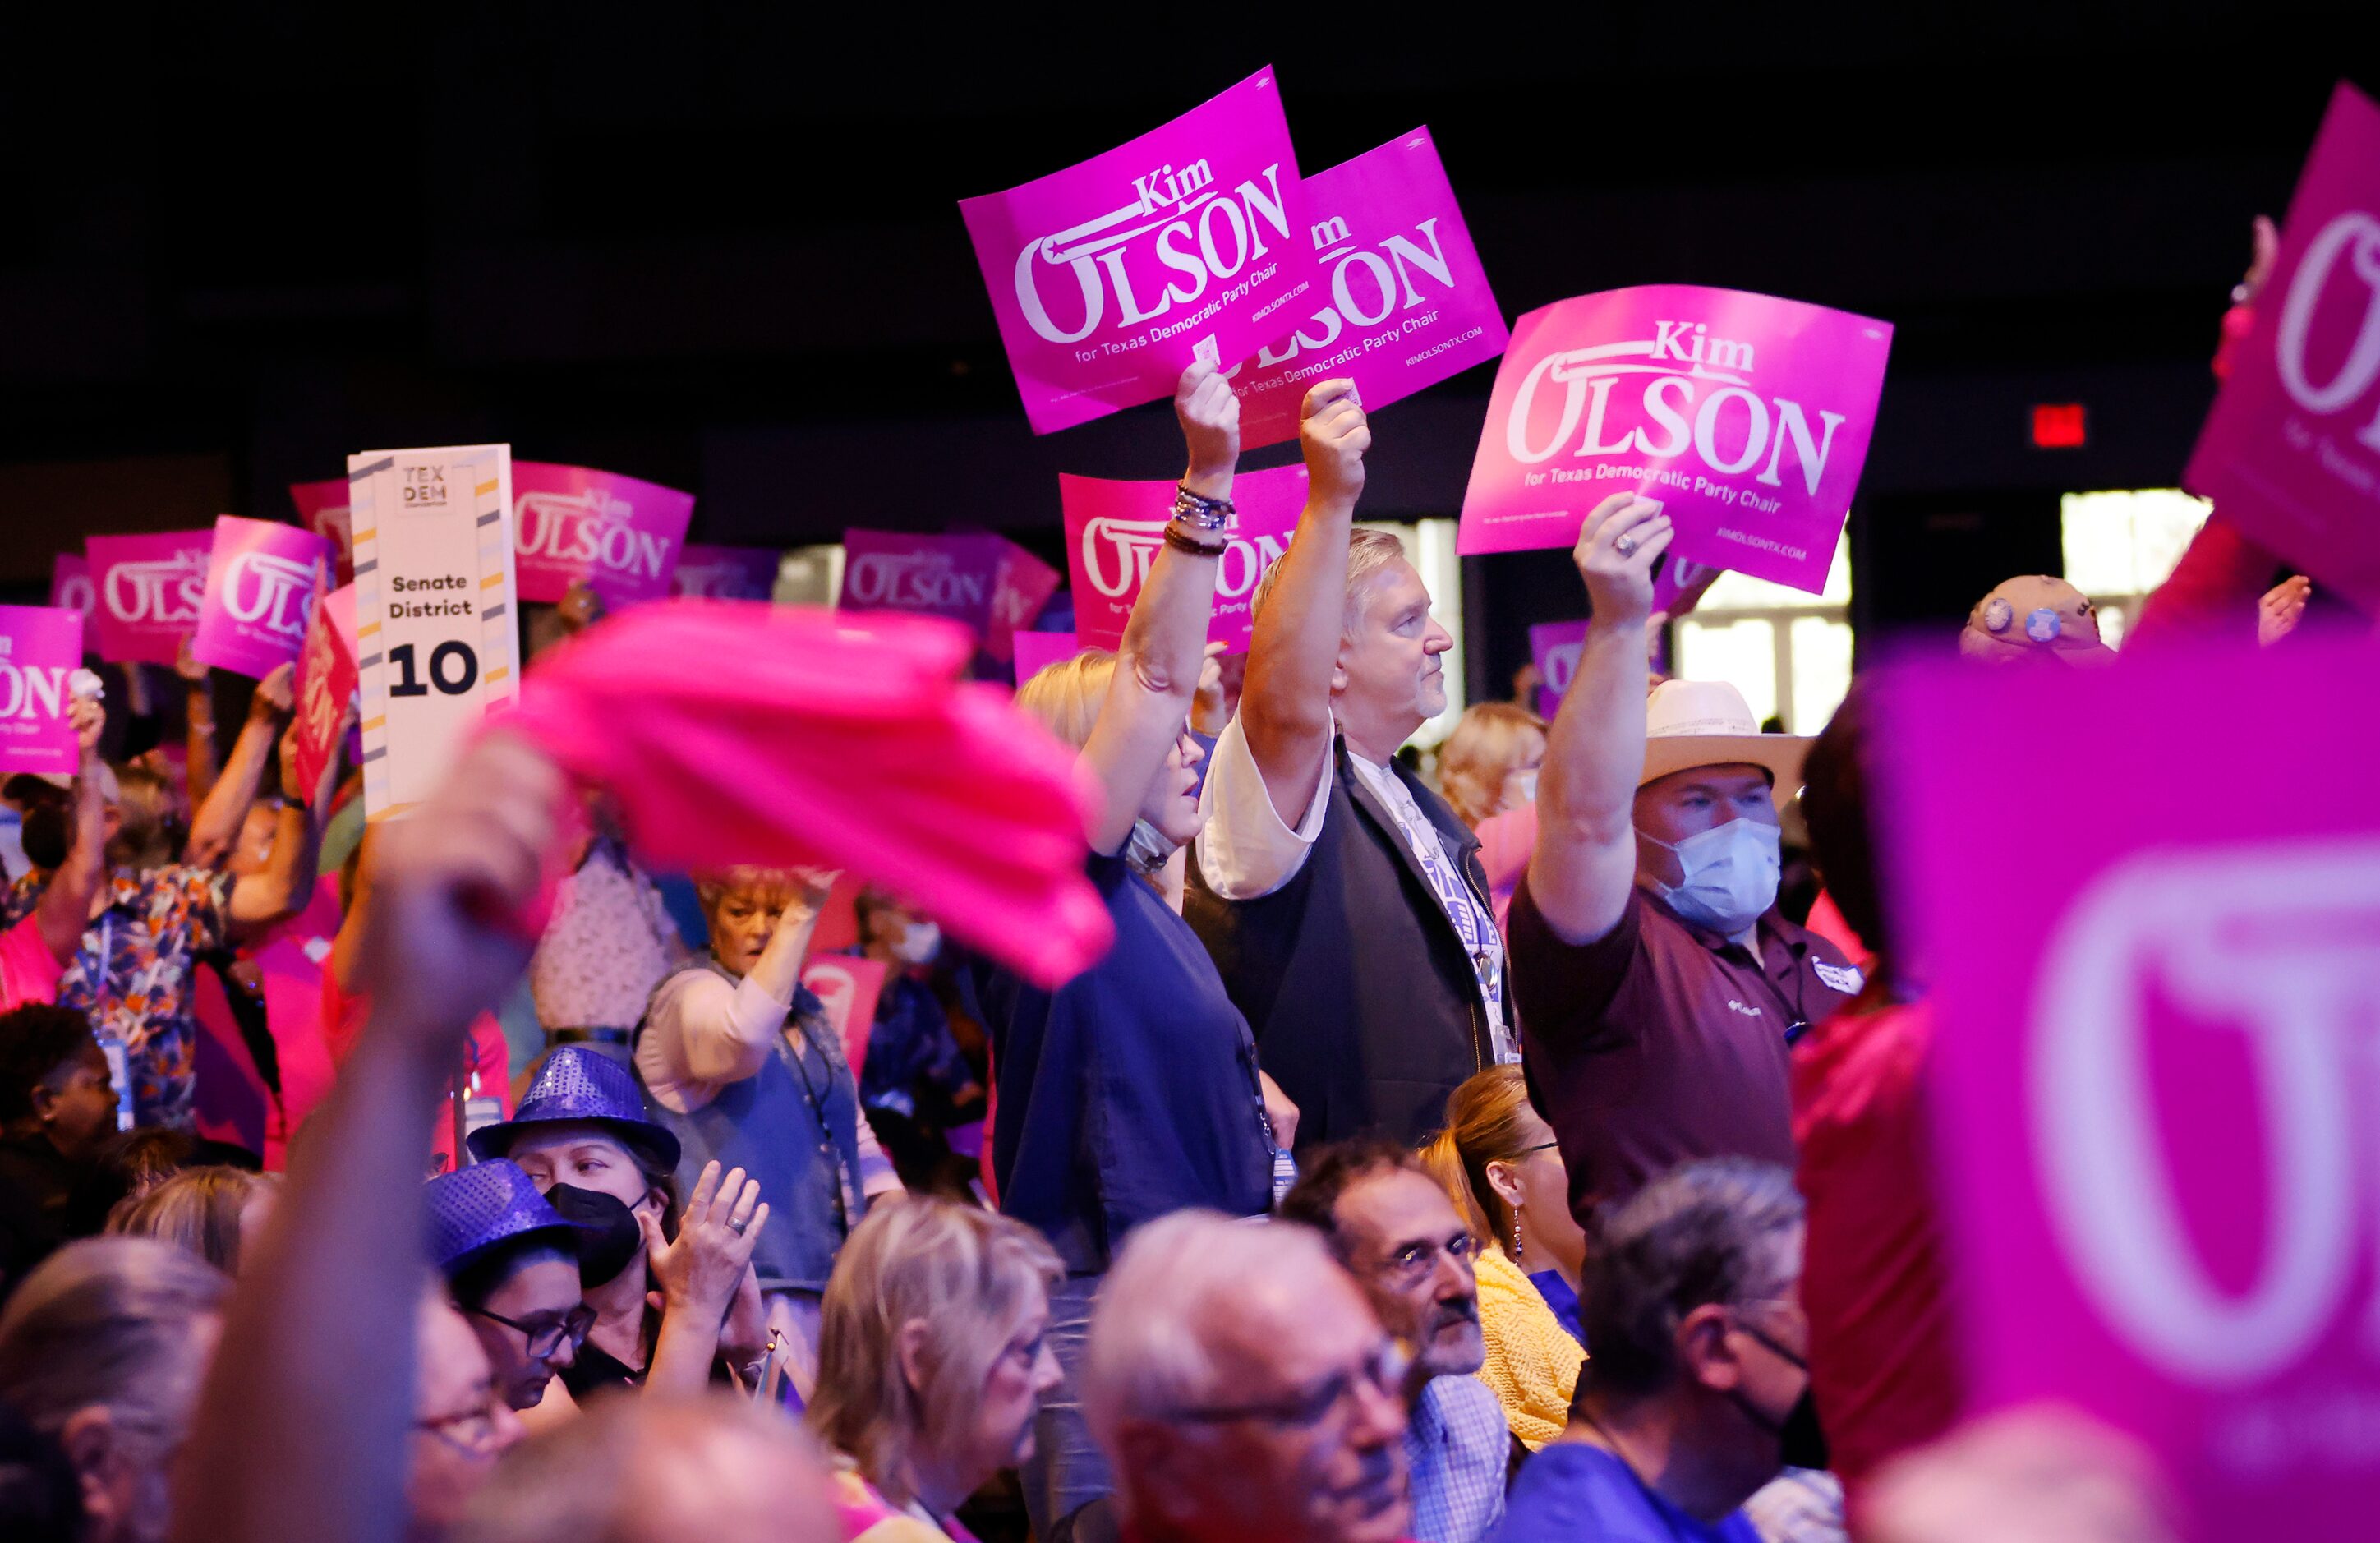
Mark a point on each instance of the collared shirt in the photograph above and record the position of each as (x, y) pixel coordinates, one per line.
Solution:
(133, 975)
(1800, 1505)
(1662, 1042)
(1456, 1448)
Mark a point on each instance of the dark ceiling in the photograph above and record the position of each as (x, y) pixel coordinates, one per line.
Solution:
(717, 245)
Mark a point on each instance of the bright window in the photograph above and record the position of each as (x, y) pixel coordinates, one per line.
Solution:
(1788, 652)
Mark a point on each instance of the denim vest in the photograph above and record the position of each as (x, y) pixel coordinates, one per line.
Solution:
(794, 1126)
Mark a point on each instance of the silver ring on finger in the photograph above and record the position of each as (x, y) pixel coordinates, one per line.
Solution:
(737, 1224)
(1623, 545)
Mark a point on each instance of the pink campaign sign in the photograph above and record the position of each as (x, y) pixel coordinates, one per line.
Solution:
(1553, 648)
(618, 534)
(847, 987)
(2291, 453)
(1035, 651)
(71, 589)
(952, 575)
(322, 508)
(2150, 1081)
(726, 572)
(1747, 416)
(1190, 242)
(260, 586)
(1401, 303)
(150, 590)
(325, 684)
(1113, 531)
(40, 647)
(1023, 586)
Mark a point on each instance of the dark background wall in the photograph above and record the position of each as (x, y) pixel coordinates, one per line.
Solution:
(716, 246)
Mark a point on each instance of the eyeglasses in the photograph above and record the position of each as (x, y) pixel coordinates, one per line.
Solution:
(1382, 1368)
(471, 1432)
(544, 1339)
(1409, 1264)
(1541, 1147)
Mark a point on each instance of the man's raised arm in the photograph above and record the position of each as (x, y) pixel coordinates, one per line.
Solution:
(1585, 857)
(1285, 708)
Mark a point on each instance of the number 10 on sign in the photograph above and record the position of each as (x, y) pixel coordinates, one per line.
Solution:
(434, 623)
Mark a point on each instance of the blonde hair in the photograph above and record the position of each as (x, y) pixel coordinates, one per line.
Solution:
(197, 1210)
(1066, 697)
(767, 883)
(1368, 553)
(1489, 742)
(964, 1274)
(1487, 1120)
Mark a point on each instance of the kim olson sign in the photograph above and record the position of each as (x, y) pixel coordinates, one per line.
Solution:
(1748, 417)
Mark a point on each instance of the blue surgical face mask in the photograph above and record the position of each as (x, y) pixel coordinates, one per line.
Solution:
(1729, 875)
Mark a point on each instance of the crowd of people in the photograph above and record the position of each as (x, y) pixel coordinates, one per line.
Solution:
(1488, 1155)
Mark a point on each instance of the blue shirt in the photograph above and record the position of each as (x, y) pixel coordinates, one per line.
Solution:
(1457, 1448)
(1561, 1299)
(1570, 1493)
(1128, 1093)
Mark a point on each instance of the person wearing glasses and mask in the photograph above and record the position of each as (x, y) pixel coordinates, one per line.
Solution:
(461, 1422)
(1409, 1250)
(511, 1264)
(1242, 1388)
(1657, 983)
(1699, 1390)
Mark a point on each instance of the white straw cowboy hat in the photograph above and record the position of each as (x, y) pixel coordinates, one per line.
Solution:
(1707, 723)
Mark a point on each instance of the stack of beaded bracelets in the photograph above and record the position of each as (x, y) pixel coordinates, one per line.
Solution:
(1209, 517)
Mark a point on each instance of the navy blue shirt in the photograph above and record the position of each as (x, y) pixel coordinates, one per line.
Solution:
(1128, 1093)
(1561, 1299)
(910, 1050)
(1571, 1493)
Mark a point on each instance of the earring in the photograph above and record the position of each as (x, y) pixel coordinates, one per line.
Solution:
(1516, 1231)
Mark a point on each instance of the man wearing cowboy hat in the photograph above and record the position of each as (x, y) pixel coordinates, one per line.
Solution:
(1658, 985)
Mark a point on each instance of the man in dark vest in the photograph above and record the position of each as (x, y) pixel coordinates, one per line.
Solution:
(1342, 901)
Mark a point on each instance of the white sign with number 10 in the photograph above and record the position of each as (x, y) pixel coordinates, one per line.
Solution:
(435, 622)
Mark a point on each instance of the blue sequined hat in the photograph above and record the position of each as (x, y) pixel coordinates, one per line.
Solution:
(577, 1083)
(475, 1209)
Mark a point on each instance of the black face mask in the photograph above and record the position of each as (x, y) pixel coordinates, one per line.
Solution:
(609, 1236)
(1801, 1443)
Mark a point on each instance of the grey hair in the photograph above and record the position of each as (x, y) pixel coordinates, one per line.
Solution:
(1723, 1232)
(1147, 1353)
(1368, 553)
(111, 1321)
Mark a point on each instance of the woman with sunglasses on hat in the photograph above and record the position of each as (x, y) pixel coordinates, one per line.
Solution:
(581, 1138)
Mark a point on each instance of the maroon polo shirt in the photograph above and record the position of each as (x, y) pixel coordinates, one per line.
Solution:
(1662, 1042)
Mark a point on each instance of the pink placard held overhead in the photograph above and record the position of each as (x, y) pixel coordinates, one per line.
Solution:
(1747, 416)
(2291, 453)
(2155, 970)
(618, 534)
(1114, 531)
(325, 684)
(1402, 302)
(952, 575)
(1190, 242)
(261, 587)
(726, 572)
(150, 590)
(322, 508)
(1024, 586)
(1035, 651)
(40, 648)
(71, 589)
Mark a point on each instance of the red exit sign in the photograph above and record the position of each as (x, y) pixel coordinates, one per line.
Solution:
(2058, 426)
